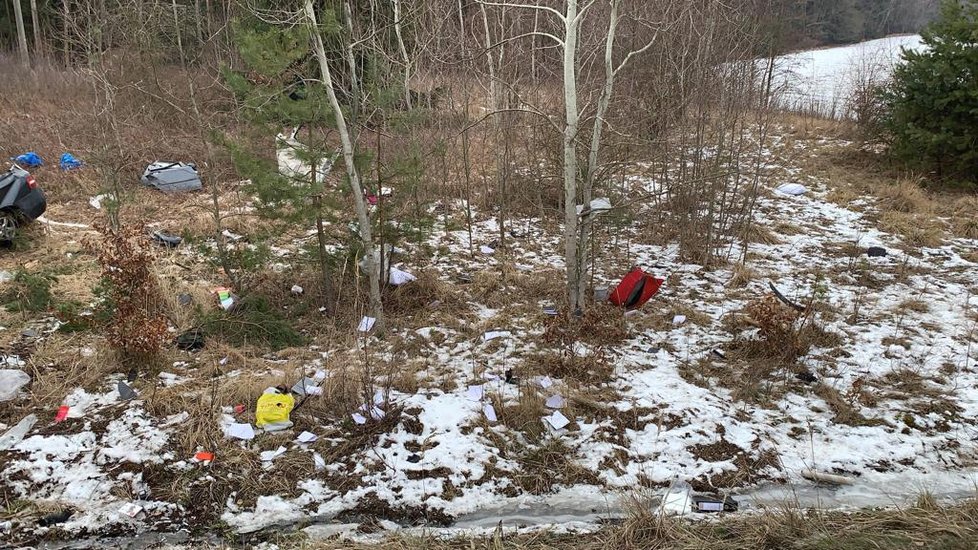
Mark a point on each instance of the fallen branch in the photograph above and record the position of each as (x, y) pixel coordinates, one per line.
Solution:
(42, 219)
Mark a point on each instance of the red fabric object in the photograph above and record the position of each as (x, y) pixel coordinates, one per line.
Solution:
(62, 414)
(372, 199)
(636, 288)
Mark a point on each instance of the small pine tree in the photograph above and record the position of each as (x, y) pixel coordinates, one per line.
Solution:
(932, 103)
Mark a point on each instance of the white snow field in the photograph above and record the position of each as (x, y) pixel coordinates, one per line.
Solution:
(823, 80)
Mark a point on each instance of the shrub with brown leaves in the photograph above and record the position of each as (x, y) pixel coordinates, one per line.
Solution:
(137, 326)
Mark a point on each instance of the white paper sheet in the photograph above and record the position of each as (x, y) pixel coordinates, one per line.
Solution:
(399, 277)
(557, 420)
(268, 456)
(490, 413)
(475, 393)
(555, 402)
(307, 437)
(366, 324)
(493, 334)
(240, 431)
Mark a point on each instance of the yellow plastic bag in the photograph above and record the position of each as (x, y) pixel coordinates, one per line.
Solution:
(273, 408)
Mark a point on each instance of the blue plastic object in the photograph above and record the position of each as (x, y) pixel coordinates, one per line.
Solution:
(69, 162)
(29, 159)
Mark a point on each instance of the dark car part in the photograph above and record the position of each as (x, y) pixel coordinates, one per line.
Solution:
(21, 200)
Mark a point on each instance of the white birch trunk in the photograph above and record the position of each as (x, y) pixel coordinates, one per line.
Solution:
(376, 306)
(574, 276)
(351, 60)
(25, 56)
(36, 25)
(493, 94)
(604, 102)
(404, 53)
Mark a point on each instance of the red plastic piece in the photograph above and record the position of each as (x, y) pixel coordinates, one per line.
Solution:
(635, 288)
(62, 414)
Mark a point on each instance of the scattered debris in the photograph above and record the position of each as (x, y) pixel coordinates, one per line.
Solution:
(545, 382)
(366, 324)
(192, 340)
(487, 250)
(226, 298)
(597, 206)
(679, 320)
(62, 414)
(14, 435)
(704, 504)
(819, 477)
(719, 353)
(296, 290)
(307, 437)
(557, 420)
(131, 509)
(414, 459)
(550, 310)
(96, 201)
(475, 393)
(318, 461)
(166, 240)
(126, 393)
(791, 189)
(273, 409)
(185, 299)
(55, 518)
(69, 162)
(172, 177)
(239, 408)
(876, 252)
(29, 159)
(231, 236)
(398, 277)
(359, 418)
(555, 402)
(11, 381)
(786, 301)
(493, 334)
(307, 386)
(635, 288)
(240, 431)
(510, 378)
(490, 412)
(203, 457)
(806, 376)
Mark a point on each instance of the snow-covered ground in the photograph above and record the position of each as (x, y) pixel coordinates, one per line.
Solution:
(890, 401)
(824, 80)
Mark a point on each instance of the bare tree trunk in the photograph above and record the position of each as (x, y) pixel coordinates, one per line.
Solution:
(202, 129)
(493, 92)
(36, 27)
(376, 307)
(66, 41)
(404, 53)
(351, 60)
(25, 56)
(571, 25)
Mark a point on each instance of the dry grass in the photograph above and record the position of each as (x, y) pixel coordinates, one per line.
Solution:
(925, 524)
(916, 230)
(905, 196)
